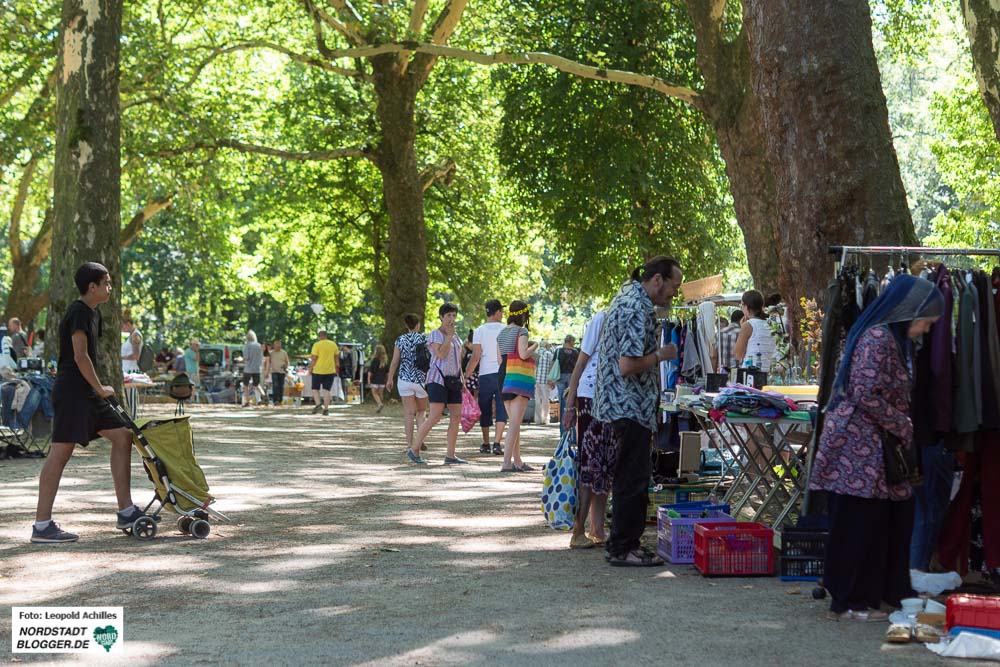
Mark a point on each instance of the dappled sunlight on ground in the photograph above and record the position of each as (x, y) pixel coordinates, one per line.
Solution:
(342, 552)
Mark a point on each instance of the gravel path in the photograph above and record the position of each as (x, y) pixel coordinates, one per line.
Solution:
(341, 552)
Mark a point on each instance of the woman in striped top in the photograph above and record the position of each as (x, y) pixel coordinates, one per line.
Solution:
(517, 377)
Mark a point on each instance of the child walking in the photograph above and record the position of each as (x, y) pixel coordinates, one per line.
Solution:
(81, 409)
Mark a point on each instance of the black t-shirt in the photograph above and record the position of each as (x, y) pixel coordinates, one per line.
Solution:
(79, 317)
(567, 359)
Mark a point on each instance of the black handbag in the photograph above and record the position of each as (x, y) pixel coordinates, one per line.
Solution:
(452, 383)
(900, 461)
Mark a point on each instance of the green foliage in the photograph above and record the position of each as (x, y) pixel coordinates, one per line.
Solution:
(910, 84)
(968, 156)
(904, 25)
(617, 174)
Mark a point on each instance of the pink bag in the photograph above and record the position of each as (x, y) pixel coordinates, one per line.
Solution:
(470, 411)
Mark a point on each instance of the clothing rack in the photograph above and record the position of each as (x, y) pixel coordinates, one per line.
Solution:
(718, 329)
(844, 250)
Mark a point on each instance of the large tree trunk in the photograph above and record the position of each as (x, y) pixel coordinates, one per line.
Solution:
(828, 140)
(406, 279)
(87, 196)
(982, 22)
(729, 103)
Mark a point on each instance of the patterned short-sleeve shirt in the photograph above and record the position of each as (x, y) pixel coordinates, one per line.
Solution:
(629, 331)
(407, 345)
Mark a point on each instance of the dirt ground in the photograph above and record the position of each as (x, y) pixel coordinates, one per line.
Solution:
(343, 553)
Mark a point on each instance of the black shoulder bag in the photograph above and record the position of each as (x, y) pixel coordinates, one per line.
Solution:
(900, 461)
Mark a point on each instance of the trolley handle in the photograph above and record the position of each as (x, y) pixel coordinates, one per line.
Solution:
(121, 412)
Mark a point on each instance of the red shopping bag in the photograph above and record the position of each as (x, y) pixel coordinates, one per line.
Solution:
(470, 410)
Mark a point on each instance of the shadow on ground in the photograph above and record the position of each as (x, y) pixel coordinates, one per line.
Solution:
(341, 552)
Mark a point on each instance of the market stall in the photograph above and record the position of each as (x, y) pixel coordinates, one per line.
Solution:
(763, 476)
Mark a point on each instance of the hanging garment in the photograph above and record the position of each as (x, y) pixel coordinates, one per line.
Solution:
(982, 472)
(871, 289)
(965, 414)
(833, 329)
(691, 368)
(990, 359)
(977, 352)
(850, 310)
(941, 346)
(706, 336)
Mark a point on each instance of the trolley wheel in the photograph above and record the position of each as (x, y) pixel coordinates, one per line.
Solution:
(144, 528)
(184, 524)
(200, 529)
(819, 593)
(201, 514)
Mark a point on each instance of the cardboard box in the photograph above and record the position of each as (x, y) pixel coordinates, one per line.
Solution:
(933, 620)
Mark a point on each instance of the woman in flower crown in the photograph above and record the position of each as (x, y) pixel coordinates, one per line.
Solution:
(517, 377)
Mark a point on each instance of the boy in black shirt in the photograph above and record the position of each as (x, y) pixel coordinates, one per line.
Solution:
(82, 411)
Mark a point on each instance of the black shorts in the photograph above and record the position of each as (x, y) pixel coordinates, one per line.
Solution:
(322, 381)
(251, 377)
(436, 393)
(80, 417)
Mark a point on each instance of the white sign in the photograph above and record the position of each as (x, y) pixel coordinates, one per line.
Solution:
(98, 630)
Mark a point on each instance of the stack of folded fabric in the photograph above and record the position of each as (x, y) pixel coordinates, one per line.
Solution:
(737, 400)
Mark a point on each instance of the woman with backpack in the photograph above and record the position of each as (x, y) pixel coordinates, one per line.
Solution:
(411, 377)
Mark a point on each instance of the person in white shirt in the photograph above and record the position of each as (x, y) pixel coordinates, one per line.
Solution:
(131, 349)
(486, 358)
(597, 446)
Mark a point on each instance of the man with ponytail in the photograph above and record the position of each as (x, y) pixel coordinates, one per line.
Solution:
(626, 397)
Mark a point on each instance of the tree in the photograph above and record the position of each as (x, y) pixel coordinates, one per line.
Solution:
(982, 22)
(27, 134)
(87, 193)
(836, 176)
(617, 173)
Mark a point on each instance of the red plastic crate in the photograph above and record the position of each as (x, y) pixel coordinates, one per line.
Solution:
(734, 549)
(973, 611)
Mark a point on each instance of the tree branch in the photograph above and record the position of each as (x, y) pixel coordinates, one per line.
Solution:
(297, 57)
(447, 21)
(351, 33)
(443, 171)
(29, 74)
(139, 220)
(313, 12)
(14, 233)
(39, 249)
(309, 156)
(417, 15)
(656, 83)
(352, 22)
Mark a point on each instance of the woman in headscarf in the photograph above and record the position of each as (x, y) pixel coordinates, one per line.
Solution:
(867, 559)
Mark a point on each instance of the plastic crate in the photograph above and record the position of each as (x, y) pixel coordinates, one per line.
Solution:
(973, 611)
(734, 549)
(675, 536)
(803, 554)
(995, 634)
(685, 494)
